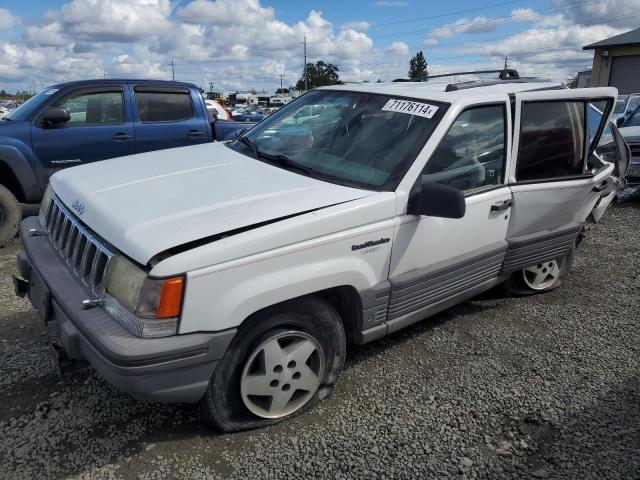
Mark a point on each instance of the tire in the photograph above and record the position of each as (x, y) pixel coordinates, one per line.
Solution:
(520, 283)
(10, 215)
(311, 321)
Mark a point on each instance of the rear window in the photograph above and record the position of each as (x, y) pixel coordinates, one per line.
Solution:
(552, 140)
(154, 107)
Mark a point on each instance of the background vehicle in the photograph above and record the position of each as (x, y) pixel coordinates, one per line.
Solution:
(81, 122)
(630, 130)
(250, 115)
(238, 280)
(625, 105)
(218, 111)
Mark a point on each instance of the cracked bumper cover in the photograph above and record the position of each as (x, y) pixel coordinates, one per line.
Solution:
(168, 369)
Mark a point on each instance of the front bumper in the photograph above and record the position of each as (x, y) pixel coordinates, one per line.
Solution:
(169, 369)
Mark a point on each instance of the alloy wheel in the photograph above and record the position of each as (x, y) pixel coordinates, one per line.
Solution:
(282, 374)
(542, 275)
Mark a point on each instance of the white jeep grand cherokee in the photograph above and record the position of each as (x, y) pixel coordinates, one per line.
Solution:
(234, 274)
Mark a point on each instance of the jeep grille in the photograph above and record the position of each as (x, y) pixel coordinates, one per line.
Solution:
(81, 249)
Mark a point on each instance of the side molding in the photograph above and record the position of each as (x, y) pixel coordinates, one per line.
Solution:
(531, 249)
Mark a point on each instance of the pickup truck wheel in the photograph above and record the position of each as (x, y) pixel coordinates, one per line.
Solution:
(281, 363)
(10, 215)
(542, 277)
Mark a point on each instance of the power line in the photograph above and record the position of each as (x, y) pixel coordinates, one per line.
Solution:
(432, 17)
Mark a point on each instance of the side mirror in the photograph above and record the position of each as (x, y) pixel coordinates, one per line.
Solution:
(55, 116)
(437, 200)
(624, 154)
(619, 121)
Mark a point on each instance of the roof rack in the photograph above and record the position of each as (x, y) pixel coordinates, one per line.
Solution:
(504, 74)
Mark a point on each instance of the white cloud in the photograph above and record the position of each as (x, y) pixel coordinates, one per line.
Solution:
(49, 35)
(226, 12)
(240, 44)
(623, 12)
(358, 25)
(400, 48)
(7, 20)
(113, 20)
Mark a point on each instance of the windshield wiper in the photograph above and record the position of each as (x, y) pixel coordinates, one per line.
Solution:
(280, 160)
(244, 140)
(286, 162)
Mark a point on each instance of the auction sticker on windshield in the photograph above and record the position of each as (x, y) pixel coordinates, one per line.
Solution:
(412, 108)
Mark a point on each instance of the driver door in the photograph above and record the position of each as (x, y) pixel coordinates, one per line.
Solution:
(437, 262)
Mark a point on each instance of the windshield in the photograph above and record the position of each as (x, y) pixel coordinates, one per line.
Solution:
(24, 111)
(364, 140)
(620, 104)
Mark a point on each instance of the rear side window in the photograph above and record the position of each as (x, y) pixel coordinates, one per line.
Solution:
(552, 140)
(471, 155)
(154, 107)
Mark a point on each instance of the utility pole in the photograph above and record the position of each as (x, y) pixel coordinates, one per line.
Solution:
(281, 78)
(305, 62)
(104, 72)
(173, 71)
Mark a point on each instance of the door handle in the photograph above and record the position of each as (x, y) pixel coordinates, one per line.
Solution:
(120, 137)
(601, 187)
(498, 207)
(195, 133)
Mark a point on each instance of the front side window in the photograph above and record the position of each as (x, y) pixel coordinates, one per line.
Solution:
(363, 140)
(471, 155)
(156, 106)
(94, 108)
(552, 140)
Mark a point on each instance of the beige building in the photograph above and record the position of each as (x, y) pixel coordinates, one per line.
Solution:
(616, 62)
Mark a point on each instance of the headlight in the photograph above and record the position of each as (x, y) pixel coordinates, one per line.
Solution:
(45, 205)
(147, 307)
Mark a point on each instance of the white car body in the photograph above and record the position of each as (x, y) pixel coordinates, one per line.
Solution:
(249, 235)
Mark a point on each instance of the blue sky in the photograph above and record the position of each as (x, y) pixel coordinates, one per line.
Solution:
(239, 44)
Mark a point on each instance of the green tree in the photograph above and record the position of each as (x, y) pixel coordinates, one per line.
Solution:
(320, 74)
(418, 66)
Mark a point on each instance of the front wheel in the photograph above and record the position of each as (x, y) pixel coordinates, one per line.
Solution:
(282, 362)
(541, 277)
(10, 215)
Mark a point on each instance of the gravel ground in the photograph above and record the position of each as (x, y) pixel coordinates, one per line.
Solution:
(537, 387)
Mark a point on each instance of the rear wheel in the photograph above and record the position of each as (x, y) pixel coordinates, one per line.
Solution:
(282, 362)
(542, 277)
(10, 215)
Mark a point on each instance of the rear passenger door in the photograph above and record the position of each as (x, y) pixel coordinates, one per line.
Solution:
(167, 117)
(555, 179)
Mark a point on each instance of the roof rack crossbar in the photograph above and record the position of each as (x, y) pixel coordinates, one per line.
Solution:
(504, 74)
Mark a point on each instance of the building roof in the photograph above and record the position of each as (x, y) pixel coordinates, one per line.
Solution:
(628, 38)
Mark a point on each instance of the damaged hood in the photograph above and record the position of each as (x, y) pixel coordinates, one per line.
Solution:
(147, 203)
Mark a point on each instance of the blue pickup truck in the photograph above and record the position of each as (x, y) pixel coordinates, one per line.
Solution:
(86, 121)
